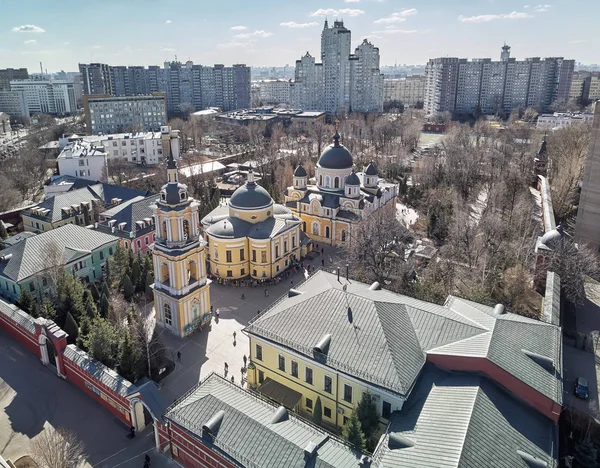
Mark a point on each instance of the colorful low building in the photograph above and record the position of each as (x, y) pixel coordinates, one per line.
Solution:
(335, 339)
(252, 236)
(31, 263)
(340, 196)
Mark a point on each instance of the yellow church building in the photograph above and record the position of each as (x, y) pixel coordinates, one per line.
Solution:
(251, 236)
(181, 288)
(340, 197)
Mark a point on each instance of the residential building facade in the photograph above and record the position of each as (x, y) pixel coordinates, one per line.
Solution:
(181, 288)
(9, 74)
(74, 249)
(460, 86)
(343, 81)
(110, 114)
(273, 92)
(84, 160)
(4, 123)
(97, 78)
(562, 119)
(251, 236)
(340, 197)
(410, 90)
(47, 96)
(587, 226)
(13, 102)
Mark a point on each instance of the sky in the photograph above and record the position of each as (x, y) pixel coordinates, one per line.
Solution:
(63, 33)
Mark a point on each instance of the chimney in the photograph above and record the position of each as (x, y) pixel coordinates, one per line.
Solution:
(338, 273)
(347, 270)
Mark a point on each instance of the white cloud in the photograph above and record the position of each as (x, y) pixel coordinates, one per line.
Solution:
(28, 28)
(30, 42)
(234, 45)
(293, 24)
(395, 31)
(396, 17)
(352, 1)
(259, 33)
(167, 49)
(487, 18)
(237, 28)
(541, 8)
(168, 22)
(334, 12)
(96, 47)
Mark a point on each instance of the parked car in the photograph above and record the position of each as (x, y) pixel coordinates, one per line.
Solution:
(581, 388)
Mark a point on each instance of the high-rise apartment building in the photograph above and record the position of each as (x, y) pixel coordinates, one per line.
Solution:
(410, 90)
(342, 82)
(484, 86)
(47, 96)
(273, 92)
(187, 86)
(97, 78)
(114, 114)
(9, 74)
(587, 227)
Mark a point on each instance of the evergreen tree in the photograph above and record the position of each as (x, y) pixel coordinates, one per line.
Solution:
(104, 290)
(47, 310)
(107, 272)
(26, 300)
(35, 309)
(70, 299)
(102, 342)
(71, 328)
(119, 264)
(127, 358)
(367, 415)
(3, 233)
(136, 274)
(95, 292)
(84, 331)
(318, 412)
(89, 304)
(127, 288)
(104, 306)
(353, 432)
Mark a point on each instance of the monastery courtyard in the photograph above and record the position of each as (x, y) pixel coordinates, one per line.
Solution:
(203, 353)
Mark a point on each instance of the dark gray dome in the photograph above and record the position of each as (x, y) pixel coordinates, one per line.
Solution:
(371, 169)
(352, 179)
(335, 157)
(250, 195)
(300, 172)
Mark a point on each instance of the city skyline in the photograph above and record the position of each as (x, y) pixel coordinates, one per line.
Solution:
(240, 32)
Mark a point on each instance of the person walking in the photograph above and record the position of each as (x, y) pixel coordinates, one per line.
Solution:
(178, 356)
(226, 368)
(234, 336)
(245, 360)
(218, 312)
(266, 292)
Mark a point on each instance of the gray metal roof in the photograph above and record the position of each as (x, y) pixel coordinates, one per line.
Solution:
(28, 256)
(300, 171)
(465, 421)
(138, 209)
(250, 195)
(382, 341)
(335, 157)
(247, 433)
(17, 315)
(352, 179)
(371, 169)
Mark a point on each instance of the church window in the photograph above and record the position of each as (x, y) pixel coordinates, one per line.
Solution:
(164, 229)
(293, 242)
(343, 236)
(327, 181)
(242, 256)
(228, 255)
(216, 254)
(192, 272)
(263, 256)
(253, 256)
(336, 182)
(168, 314)
(195, 310)
(229, 273)
(315, 229)
(320, 180)
(327, 232)
(186, 229)
(285, 246)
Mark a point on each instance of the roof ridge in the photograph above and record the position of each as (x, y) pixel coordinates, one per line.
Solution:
(481, 327)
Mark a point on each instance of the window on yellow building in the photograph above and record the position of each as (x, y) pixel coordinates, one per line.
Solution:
(327, 384)
(345, 420)
(253, 255)
(294, 241)
(259, 352)
(261, 376)
(327, 412)
(294, 369)
(168, 315)
(228, 256)
(243, 271)
(253, 272)
(276, 251)
(281, 363)
(229, 273)
(308, 375)
(347, 393)
(309, 403)
(285, 249)
(263, 257)
(242, 258)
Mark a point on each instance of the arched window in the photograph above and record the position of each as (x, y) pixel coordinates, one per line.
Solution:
(195, 309)
(320, 180)
(327, 181)
(304, 226)
(164, 273)
(343, 236)
(168, 314)
(315, 229)
(192, 272)
(186, 229)
(336, 182)
(164, 230)
(327, 232)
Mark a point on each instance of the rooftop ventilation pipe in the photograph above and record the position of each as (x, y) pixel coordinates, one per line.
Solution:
(397, 441)
(323, 345)
(294, 292)
(280, 415)
(499, 309)
(212, 426)
(375, 286)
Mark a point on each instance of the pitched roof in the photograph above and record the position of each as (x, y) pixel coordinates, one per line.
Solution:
(248, 432)
(132, 211)
(384, 338)
(465, 421)
(29, 256)
(378, 336)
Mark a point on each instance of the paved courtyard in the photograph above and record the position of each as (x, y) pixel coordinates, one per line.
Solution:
(207, 351)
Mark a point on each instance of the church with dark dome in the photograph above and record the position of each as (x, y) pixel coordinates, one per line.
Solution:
(338, 196)
(251, 236)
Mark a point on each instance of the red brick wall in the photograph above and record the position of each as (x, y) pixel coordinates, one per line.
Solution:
(191, 452)
(539, 401)
(24, 336)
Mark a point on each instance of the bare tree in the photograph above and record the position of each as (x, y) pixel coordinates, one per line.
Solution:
(54, 265)
(57, 448)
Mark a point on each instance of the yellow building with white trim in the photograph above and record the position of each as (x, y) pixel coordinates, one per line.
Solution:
(251, 236)
(181, 288)
(340, 197)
